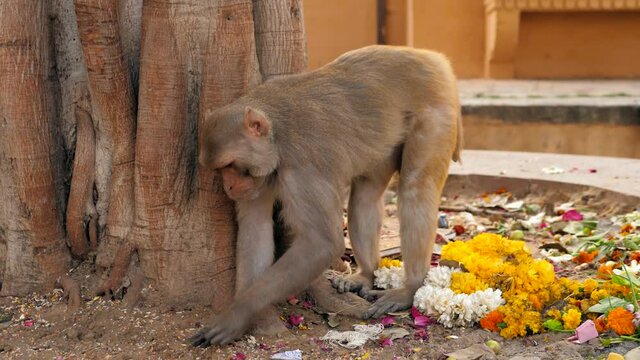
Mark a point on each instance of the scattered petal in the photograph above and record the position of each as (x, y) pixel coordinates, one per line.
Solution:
(296, 319)
(292, 300)
(572, 215)
(384, 342)
(239, 356)
(421, 321)
(307, 304)
(387, 321)
(421, 334)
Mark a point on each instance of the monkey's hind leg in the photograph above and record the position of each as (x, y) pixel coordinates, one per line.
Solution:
(365, 220)
(425, 164)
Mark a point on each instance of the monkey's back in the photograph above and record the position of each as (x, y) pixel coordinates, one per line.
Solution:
(369, 96)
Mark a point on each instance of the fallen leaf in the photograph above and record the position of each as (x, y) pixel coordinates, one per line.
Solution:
(474, 352)
(332, 320)
(394, 333)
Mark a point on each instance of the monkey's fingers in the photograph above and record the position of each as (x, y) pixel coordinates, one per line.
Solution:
(199, 340)
(371, 295)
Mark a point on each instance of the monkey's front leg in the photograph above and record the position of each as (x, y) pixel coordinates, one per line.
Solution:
(255, 254)
(301, 264)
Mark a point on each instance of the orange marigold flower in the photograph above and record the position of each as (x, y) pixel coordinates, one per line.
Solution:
(605, 272)
(620, 320)
(535, 302)
(616, 255)
(600, 324)
(634, 256)
(626, 229)
(491, 320)
(585, 257)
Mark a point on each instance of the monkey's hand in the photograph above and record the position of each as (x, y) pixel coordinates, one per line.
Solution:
(226, 327)
(387, 301)
(352, 283)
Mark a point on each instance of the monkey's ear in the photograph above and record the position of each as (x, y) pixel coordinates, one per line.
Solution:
(256, 123)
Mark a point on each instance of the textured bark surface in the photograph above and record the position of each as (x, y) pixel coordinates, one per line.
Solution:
(31, 226)
(134, 81)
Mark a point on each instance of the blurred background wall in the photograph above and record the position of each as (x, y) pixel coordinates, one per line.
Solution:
(557, 39)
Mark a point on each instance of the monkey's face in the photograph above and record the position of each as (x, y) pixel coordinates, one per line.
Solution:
(239, 185)
(239, 146)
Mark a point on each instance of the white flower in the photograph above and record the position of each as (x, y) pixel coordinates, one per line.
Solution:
(389, 278)
(632, 268)
(435, 298)
(555, 256)
(440, 276)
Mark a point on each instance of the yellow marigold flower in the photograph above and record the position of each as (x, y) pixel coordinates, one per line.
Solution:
(571, 319)
(388, 263)
(466, 283)
(599, 294)
(615, 289)
(589, 286)
(554, 314)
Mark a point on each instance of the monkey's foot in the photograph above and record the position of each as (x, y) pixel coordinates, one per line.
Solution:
(352, 283)
(269, 323)
(387, 301)
(226, 328)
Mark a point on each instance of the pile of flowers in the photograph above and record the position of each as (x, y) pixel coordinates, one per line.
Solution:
(527, 285)
(496, 281)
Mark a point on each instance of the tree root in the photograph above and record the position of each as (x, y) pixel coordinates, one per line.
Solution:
(71, 290)
(135, 288)
(81, 212)
(118, 270)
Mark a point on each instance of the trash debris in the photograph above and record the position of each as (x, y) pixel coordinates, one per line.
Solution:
(553, 170)
(585, 332)
(332, 320)
(354, 338)
(288, 355)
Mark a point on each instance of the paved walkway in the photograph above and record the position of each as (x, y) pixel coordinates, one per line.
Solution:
(548, 92)
(617, 174)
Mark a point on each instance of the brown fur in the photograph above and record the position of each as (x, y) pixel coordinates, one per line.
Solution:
(303, 139)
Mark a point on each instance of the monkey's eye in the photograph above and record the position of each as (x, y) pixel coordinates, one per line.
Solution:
(246, 173)
(228, 166)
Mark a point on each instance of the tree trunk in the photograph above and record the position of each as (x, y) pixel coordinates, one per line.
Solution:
(133, 83)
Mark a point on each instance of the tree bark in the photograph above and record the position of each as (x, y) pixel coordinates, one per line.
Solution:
(31, 229)
(134, 82)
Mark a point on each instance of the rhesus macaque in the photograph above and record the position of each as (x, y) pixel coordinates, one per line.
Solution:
(305, 138)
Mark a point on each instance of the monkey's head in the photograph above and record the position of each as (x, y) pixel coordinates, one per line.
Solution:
(238, 142)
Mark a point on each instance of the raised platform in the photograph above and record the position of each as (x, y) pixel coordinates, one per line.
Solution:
(613, 174)
(591, 117)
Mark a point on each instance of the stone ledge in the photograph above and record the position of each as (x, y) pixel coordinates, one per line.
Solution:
(620, 175)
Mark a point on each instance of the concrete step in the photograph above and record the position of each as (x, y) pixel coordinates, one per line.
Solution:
(593, 117)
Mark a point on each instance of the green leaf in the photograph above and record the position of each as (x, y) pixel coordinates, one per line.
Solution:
(626, 281)
(553, 324)
(607, 304)
(631, 243)
(591, 224)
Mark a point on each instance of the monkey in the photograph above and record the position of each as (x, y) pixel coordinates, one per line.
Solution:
(301, 140)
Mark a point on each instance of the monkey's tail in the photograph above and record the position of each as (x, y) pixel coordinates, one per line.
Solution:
(458, 149)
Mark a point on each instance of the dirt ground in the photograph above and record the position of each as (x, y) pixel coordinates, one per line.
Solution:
(40, 327)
